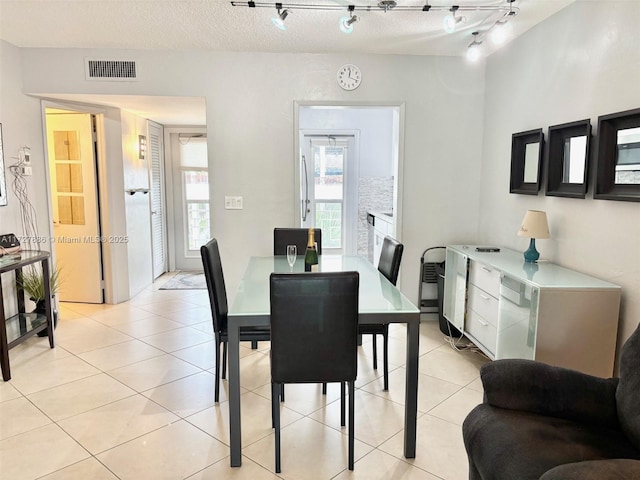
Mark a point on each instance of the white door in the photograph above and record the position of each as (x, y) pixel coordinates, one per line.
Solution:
(190, 198)
(328, 173)
(158, 217)
(74, 200)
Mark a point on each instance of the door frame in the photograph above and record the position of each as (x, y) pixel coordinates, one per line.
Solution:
(350, 197)
(169, 189)
(110, 294)
(398, 179)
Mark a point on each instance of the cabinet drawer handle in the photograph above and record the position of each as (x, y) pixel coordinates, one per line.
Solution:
(484, 297)
(484, 324)
(488, 270)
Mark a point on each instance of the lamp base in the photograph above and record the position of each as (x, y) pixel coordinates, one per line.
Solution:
(531, 255)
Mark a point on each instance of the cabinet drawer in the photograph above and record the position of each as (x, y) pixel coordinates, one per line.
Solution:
(483, 304)
(482, 331)
(485, 277)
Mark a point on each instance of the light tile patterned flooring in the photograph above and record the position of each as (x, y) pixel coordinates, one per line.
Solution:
(128, 394)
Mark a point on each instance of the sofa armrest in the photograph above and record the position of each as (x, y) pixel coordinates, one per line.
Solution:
(547, 390)
(618, 469)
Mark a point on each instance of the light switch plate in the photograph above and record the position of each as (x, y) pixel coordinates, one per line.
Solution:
(233, 203)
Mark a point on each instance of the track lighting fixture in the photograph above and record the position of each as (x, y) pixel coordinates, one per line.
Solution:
(346, 23)
(473, 51)
(278, 20)
(451, 22)
(498, 32)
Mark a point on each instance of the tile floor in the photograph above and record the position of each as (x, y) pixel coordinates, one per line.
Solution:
(128, 394)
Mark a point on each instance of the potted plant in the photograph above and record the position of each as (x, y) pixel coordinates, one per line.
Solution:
(32, 283)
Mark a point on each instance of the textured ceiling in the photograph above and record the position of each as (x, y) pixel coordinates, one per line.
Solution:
(219, 26)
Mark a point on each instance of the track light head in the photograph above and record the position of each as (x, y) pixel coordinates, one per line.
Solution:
(450, 21)
(346, 23)
(473, 51)
(278, 21)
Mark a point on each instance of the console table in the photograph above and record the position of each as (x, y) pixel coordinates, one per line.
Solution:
(537, 311)
(21, 326)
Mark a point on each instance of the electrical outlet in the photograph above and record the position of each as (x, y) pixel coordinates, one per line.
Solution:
(27, 171)
(233, 203)
(27, 158)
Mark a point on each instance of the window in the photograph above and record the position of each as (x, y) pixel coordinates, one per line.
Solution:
(195, 185)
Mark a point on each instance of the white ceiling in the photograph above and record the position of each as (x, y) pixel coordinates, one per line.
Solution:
(218, 26)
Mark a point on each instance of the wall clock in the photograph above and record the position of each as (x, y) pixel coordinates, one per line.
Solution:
(349, 77)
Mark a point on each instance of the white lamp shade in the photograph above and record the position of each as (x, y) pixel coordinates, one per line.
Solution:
(534, 225)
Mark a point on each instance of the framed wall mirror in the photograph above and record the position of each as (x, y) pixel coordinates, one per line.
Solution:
(618, 157)
(3, 181)
(568, 159)
(526, 162)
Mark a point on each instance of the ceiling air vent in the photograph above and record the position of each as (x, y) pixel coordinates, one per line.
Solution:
(111, 70)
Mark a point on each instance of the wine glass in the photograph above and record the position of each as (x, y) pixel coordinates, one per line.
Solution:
(292, 254)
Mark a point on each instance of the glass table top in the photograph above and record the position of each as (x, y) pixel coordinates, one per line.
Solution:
(376, 293)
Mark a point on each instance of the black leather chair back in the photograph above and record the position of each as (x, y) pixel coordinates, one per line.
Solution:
(215, 285)
(390, 258)
(294, 236)
(314, 327)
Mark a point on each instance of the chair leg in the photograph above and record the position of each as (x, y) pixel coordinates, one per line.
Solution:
(275, 410)
(254, 344)
(274, 405)
(324, 388)
(386, 357)
(351, 422)
(216, 391)
(224, 360)
(343, 391)
(282, 392)
(375, 352)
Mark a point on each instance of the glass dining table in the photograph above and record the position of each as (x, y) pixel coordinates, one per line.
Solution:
(379, 302)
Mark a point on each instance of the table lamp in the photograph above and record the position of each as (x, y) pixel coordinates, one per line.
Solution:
(534, 225)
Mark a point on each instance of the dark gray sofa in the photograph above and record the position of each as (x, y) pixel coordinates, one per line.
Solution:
(540, 422)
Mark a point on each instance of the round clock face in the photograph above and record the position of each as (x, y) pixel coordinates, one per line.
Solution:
(349, 77)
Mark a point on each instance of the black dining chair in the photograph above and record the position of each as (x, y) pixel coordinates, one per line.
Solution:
(218, 300)
(294, 236)
(314, 337)
(389, 266)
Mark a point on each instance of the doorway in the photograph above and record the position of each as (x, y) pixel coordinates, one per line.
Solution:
(328, 173)
(356, 148)
(71, 150)
(188, 195)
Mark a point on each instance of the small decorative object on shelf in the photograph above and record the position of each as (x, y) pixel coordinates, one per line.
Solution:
(32, 283)
(534, 225)
(311, 255)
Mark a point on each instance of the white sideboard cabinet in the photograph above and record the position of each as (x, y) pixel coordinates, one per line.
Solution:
(537, 311)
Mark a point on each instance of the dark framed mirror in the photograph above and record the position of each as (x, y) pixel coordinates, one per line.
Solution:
(617, 175)
(526, 162)
(568, 159)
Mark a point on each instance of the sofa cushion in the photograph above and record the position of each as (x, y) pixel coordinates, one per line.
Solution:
(614, 469)
(628, 391)
(507, 444)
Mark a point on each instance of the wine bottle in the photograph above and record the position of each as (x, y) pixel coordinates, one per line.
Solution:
(311, 255)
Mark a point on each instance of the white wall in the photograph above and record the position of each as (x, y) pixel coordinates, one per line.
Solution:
(581, 63)
(21, 126)
(250, 107)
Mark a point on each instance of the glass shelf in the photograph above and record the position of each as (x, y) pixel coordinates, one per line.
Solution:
(23, 323)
